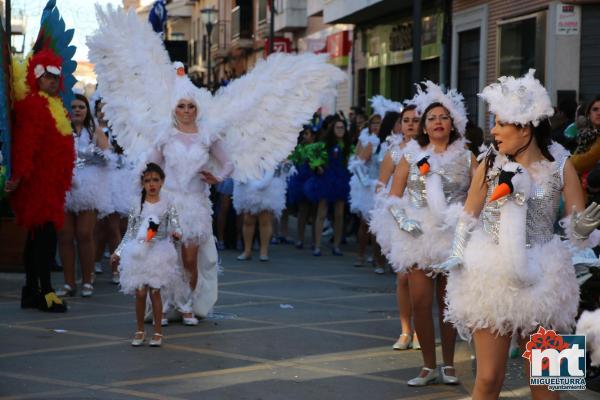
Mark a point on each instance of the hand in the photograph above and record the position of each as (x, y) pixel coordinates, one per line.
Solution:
(209, 178)
(176, 236)
(452, 263)
(114, 259)
(412, 227)
(585, 222)
(11, 185)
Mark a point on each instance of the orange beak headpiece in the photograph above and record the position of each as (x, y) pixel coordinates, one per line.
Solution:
(505, 185)
(152, 229)
(423, 165)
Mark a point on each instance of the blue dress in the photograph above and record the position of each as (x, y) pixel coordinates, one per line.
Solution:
(334, 183)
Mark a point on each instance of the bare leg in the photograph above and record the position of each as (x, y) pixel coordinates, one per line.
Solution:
(265, 228)
(421, 296)
(84, 231)
(492, 352)
(403, 300)
(225, 205)
(140, 308)
(319, 220)
(338, 222)
(156, 309)
(302, 217)
(114, 234)
(363, 238)
(101, 236)
(538, 392)
(66, 249)
(189, 257)
(248, 232)
(447, 331)
(283, 224)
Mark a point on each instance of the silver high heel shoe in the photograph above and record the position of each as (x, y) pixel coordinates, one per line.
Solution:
(449, 379)
(431, 376)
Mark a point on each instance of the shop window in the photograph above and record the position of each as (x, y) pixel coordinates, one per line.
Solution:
(362, 88)
(400, 82)
(522, 45)
(468, 69)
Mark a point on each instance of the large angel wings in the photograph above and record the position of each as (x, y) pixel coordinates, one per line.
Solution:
(258, 116)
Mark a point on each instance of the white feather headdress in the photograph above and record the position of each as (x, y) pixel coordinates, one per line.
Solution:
(452, 100)
(381, 105)
(518, 100)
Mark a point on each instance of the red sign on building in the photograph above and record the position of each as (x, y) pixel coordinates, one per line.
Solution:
(280, 45)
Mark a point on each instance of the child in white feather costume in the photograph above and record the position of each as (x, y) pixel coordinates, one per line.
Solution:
(147, 257)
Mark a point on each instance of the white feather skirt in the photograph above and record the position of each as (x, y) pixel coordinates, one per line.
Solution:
(90, 191)
(195, 214)
(485, 294)
(402, 250)
(247, 198)
(362, 198)
(125, 189)
(152, 264)
(589, 325)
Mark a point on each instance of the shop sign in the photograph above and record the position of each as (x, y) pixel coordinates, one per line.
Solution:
(568, 19)
(338, 48)
(280, 45)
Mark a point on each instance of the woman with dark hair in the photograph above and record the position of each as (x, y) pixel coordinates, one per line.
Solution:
(329, 185)
(403, 130)
(414, 226)
(87, 198)
(508, 272)
(587, 153)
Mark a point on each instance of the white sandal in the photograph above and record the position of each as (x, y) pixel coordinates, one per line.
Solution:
(156, 342)
(138, 341)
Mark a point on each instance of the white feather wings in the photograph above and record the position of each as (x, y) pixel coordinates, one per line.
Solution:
(257, 116)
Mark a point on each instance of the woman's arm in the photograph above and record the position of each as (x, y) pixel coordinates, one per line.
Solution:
(585, 161)
(477, 192)
(572, 191)
(225, 164)
(385, 171)
(101, 139)
(400, 178)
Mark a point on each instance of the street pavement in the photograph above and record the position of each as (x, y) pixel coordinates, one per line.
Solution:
(297, 327)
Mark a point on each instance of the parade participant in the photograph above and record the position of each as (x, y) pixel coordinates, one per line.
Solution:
(430, 184)
(119, 177)
(587, 152)
(146, 257)
(365, 170)
(42, 153)
(260, 201)
(330, 184)
(509, 272)
(200, 138)
(225, 192)
(295, 191)
(403, 130)
(87, 199)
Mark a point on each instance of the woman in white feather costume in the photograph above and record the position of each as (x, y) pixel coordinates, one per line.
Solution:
(508, 272)
(87, 199)
(365, 170)
(404, 129)
(201, 138)
(259, 201)
(415, 231)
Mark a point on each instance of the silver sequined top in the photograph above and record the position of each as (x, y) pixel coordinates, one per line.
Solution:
(167, 224)
(456, 178)
(542, 206)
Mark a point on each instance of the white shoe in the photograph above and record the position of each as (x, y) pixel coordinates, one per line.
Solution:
(402, 344)
(379, 270)
(190, 321)
(138, 339)
(116, 278)
(98, 268)
(87, 290)
(431, 376)
(164, 322)
(449, 379)
(156, 342)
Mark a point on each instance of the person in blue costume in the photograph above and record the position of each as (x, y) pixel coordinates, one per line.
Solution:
(330, 185)
(295, 192)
